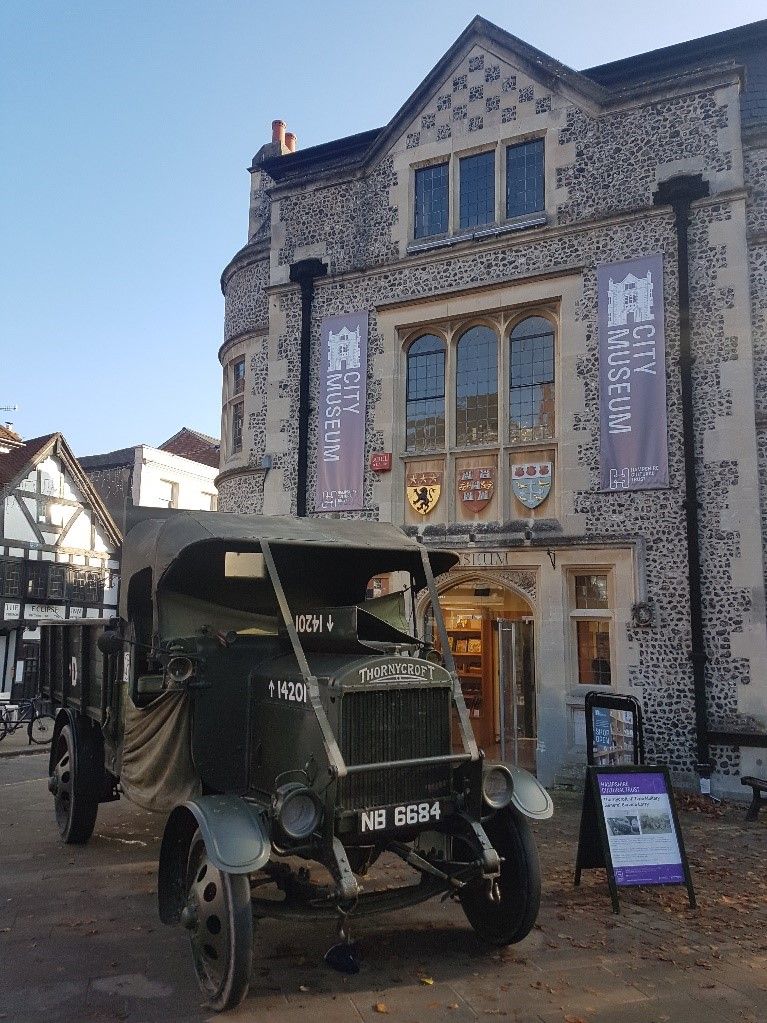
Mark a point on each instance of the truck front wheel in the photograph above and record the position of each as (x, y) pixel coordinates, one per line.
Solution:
(74, 790)
(218, 917)
(511, 918)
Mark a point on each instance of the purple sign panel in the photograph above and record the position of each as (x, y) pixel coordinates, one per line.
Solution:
(341, 413)
(640, 829)
(632, 375)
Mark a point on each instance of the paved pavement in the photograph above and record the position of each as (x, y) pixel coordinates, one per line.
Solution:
(17, 744)
(80, 939)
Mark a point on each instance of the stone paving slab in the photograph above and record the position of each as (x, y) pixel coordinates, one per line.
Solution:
(80, 939)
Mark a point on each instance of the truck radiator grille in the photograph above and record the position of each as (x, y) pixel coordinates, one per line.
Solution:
(394, 724)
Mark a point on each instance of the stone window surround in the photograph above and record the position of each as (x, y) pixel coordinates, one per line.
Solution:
(455, 232)
(401, 320)
(237, 382)
(229, 398)
(590, 615)
(501, 322)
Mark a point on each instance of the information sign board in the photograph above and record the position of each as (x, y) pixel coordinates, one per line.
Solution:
(629, 826)
(614, 734)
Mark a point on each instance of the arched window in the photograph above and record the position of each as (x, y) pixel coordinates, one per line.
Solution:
(425, 398)
(476, 387)
(531, 381)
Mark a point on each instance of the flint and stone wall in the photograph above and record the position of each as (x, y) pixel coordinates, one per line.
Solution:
(601, 172)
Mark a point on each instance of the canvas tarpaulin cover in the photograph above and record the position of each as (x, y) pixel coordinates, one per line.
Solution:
(157, 771)
(331, 558)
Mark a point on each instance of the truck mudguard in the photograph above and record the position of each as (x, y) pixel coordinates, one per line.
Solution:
(236, 840)
(530, 797)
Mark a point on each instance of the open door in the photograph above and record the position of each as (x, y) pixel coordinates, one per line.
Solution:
(518, 723)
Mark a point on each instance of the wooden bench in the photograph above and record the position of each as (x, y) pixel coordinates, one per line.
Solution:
(758, 787)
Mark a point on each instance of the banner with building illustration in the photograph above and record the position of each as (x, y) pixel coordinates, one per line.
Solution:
(632, 375)
(341, 413)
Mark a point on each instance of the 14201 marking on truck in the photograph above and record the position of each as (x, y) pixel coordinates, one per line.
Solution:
(295, 691)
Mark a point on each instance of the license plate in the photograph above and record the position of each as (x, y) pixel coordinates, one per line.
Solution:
(404, 815)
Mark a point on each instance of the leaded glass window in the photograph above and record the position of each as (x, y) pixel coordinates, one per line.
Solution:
(477, 189)
(85, 586)
(10, 578)
(238, 416)
(425, 402)
(591, 593)
(476, 387)
(524, 178)
(37, 580)
(531, 384)
(57, 578)
(431, 201)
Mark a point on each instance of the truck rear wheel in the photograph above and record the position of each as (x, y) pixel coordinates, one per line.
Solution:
(519, 885)
(219, 919)
(73, 789)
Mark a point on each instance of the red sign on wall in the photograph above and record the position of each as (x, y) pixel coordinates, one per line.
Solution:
(380, 461)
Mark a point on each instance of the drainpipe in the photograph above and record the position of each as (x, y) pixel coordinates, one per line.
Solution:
(679, 193)
(304, 274)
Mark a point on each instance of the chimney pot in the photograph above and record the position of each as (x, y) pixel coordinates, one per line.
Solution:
(278, 131)
(290, 142)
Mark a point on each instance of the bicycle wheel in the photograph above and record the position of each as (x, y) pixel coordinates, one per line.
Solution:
(3, 727)
(40, 729)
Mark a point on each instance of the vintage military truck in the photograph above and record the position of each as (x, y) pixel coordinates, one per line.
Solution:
(252, 691)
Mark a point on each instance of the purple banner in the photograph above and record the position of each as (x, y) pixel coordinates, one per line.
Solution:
(341, 413)
(633, 430)
(640, 828)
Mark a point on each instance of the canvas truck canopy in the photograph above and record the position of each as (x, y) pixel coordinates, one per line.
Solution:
(183, 558)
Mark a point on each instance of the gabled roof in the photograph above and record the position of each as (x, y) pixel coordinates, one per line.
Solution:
(118, 459)
(9, 438)
(359, 149)
(745, 45)
(19, 462)
(196, 446)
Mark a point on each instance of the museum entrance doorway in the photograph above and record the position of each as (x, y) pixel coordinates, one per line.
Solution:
(491, 631)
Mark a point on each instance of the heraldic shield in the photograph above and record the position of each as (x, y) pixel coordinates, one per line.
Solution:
(531, 483)
(423, 491)
(476, 486)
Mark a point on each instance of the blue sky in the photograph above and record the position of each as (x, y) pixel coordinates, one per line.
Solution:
(126, 129)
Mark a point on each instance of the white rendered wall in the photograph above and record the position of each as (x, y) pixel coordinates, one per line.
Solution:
(154, 469)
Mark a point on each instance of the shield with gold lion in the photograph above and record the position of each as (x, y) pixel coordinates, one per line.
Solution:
(423, 490)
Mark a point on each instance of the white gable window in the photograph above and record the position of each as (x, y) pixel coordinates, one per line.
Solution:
(167, 494)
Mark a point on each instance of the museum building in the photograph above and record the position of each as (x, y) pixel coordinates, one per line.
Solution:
(527, 320)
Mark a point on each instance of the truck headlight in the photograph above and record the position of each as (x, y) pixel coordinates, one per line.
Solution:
(297, 811)
(180, 669)
(497, 786)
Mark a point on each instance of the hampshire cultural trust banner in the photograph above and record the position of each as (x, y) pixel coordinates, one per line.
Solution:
(341, 413)
(632, 375)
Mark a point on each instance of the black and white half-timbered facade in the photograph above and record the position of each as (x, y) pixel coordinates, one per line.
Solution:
(58, 547)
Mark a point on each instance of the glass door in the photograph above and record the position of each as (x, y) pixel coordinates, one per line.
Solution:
(516, 688)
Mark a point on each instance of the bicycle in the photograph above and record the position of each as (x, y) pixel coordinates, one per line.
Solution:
(27, 712)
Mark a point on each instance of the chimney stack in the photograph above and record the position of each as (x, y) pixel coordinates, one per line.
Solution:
(278, 132)
(290, 142)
